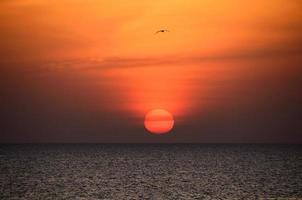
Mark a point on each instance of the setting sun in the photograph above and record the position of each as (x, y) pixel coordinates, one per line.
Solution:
(159, 121)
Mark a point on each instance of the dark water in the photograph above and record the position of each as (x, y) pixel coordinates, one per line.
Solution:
(151, 172)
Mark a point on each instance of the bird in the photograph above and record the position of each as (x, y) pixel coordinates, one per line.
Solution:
(161, 31)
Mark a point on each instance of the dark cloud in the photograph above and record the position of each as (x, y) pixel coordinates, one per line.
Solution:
(290, 49)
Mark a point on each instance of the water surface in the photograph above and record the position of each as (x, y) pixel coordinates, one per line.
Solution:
(149, 171)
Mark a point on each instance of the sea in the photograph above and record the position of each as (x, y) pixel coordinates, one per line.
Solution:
(150, 171)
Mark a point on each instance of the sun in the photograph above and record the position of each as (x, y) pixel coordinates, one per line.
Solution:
(159, 121)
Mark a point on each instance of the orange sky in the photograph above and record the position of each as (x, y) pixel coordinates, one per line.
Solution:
(103, 55)
(34, 29)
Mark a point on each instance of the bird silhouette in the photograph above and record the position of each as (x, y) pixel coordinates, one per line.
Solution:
(161, 31)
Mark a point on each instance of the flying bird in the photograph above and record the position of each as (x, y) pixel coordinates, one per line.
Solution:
(161, 31)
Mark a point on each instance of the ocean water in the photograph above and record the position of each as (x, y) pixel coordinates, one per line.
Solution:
(150, 171)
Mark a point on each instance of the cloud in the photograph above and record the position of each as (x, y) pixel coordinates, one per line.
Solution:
(291, 49)
(123, 62)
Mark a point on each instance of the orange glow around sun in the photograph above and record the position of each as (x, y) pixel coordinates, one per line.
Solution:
(159, 121)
